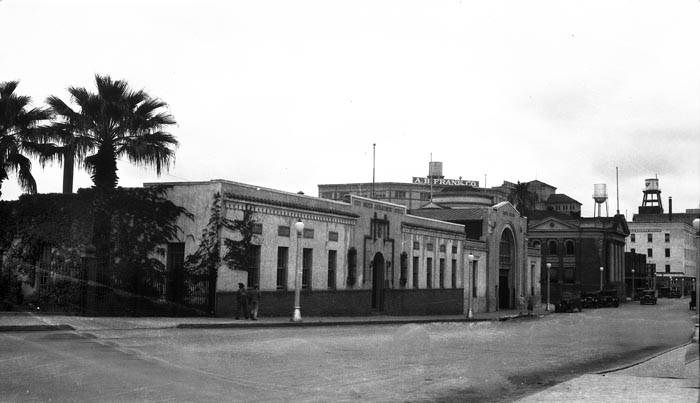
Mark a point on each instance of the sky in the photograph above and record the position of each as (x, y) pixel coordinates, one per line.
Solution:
(291, 94)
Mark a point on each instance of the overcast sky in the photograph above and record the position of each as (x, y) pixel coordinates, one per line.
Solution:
(291, 94)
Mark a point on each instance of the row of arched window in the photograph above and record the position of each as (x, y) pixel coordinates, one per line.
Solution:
(553, 247)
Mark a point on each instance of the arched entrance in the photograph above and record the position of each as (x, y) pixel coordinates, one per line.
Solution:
(506, 254)
(378, 282)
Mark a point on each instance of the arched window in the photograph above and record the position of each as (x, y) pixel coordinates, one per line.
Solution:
(569, 247)
(352, 266)
(536, 244)
(552, 248)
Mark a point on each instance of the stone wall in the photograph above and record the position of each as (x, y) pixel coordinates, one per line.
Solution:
(350, 302)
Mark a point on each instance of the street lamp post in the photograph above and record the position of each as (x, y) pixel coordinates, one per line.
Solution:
(696, 226)
(296, 316)
(601, 278)
(633, 290)
(549, 266)
(470, 275)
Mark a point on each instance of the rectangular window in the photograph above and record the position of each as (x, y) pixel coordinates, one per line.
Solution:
(569, 276)
(333, 236)
(308, 233)
(442, 273)
(650, 253)
(416, 245)
(400, 194)
(667, 252)
(175, 262)
(454, 249)
(668, 268)
(283, 230)
(632, 238)
(429, 273)
(332, 261)
(416, 262)
(454, 273)
(282, 264)
(667, 237)
(257, 228)
(254, 270)
(306, 262)
(443, 248)
(403, 275)
(430, 247)
(650, 238)
(425, 195)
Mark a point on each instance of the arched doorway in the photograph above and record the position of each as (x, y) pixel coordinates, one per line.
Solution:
(506, 254)
(378, 282)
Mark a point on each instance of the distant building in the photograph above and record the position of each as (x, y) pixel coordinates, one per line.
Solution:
(667, 240)
(452, 193)
(577, 247)
(413, 195)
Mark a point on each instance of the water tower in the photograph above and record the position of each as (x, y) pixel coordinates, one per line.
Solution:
(435, 170)
(651, 203)
(600, 196)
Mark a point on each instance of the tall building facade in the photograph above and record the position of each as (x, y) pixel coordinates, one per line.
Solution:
(667, 239)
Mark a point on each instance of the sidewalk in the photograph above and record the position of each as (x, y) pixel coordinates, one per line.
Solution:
(671, 376)
(22, 321)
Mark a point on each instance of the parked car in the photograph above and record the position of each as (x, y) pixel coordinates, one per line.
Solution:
(589, 300)
(609, 298)
(570, 301)
(648, 297)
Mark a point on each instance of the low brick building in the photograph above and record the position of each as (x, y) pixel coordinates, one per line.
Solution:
(354, 257)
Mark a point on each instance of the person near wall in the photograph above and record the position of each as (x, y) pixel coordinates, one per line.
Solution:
(253, 302)
(521, 303)
(242, 301)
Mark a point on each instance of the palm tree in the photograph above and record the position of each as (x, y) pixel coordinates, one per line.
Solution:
(522, 198)
(18, 129)
(112, 123)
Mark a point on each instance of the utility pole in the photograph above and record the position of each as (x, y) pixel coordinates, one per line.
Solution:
(374, 147)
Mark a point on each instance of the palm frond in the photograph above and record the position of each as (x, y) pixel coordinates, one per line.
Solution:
(23, 167)
(151, 149)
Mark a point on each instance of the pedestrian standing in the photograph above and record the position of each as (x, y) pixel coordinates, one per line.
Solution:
(529, 305)
(253, 302)
(242, 301)
(521, 304)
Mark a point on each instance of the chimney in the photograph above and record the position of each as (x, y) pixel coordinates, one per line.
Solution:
(670, 208)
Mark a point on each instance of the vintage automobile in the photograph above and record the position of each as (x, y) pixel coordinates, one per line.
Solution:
(589, 300)
(570, 301)
(608, 298)
(648, 297)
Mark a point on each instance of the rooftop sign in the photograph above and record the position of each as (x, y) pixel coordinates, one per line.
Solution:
(445, 182)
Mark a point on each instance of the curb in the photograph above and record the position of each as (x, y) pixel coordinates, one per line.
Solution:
(246, 325)
(35, 328)
(254, 325)
(651, 357)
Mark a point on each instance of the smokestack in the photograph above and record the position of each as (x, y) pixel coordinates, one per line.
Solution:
(670, 208)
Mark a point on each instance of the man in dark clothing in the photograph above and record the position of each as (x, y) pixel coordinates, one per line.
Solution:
(242, 299)
(253, 302)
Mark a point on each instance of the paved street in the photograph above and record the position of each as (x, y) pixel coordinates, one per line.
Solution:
(437, 361)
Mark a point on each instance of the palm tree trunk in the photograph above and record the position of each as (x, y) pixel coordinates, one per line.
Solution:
(68, 161)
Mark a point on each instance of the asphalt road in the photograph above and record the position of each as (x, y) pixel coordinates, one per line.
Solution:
(428, 362)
